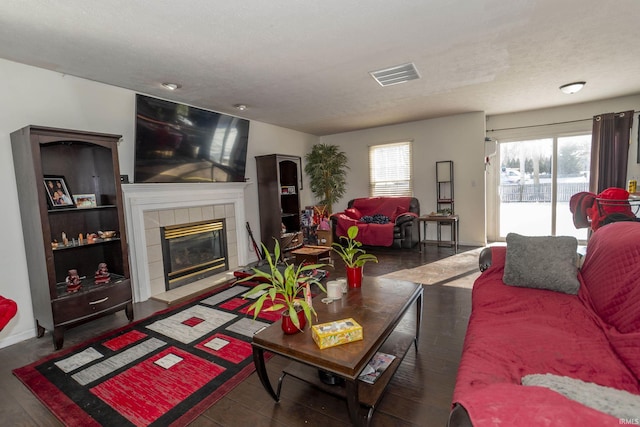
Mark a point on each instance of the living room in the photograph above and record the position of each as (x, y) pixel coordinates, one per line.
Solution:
(458, 138)
(39, 96)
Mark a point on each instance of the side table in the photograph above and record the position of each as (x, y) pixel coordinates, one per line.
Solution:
(450, 220)
(312, 254)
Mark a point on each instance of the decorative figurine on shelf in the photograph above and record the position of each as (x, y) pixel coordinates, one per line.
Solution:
(73, 281)
(102, 275)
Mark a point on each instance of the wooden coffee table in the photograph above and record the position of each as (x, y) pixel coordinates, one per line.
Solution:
(378, 306)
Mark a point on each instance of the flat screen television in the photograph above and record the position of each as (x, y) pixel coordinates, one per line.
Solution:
(180, 143)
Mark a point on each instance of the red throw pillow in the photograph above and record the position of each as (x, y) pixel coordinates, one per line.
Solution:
(353, 213)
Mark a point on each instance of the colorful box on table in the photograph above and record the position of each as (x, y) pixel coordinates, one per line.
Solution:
(335, 333)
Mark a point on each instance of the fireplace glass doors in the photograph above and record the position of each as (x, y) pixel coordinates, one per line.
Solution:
(193, 251)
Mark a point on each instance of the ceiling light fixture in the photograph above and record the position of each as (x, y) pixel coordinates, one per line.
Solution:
(240, 107)
(574, 87)
(171, 86)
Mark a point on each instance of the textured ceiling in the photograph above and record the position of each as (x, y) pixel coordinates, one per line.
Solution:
(305, 64)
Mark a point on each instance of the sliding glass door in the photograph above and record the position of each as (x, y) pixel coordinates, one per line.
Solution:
(574, 156)
(537, 178)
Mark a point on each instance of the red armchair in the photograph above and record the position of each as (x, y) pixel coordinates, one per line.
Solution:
(400, 232)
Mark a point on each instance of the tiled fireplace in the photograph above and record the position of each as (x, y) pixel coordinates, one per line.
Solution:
(150, 207)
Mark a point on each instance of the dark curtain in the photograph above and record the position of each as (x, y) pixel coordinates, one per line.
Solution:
(610, 150)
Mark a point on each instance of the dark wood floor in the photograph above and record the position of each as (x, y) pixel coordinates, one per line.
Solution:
(419, 394)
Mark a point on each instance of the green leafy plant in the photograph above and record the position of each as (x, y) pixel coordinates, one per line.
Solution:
(286, 289)
(351, 252)
(327, 167)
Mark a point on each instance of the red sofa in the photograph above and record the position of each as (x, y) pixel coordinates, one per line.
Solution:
(590, 339)
(400, 232)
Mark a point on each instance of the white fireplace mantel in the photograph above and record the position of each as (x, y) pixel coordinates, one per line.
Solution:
(141, 198)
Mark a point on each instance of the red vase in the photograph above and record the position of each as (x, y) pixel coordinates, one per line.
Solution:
(354, 277)
(287, 324)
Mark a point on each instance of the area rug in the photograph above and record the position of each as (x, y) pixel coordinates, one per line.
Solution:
(459, 270)
(164, 370)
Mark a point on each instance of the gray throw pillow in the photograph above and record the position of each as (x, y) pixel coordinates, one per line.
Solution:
(542, 262)
(618, 403)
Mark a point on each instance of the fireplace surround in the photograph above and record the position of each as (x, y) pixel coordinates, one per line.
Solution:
(148, 207)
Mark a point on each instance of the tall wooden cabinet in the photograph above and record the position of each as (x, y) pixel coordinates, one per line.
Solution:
(279, 185)
(86, 164)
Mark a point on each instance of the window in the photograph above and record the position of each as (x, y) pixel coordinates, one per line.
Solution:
(537, 179)
(390, 169)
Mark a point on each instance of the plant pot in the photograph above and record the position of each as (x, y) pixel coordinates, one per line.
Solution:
(287, 324)
(354, 277)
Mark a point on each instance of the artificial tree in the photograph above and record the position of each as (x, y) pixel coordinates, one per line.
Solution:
(327, 167)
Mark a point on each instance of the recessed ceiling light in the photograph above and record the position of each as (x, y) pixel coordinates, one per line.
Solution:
(171, 86)
(574, 87)
(240, 107)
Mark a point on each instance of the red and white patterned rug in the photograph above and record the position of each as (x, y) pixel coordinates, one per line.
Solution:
(163, 370)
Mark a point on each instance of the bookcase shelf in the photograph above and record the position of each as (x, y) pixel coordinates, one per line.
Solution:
(279, 185)
(87, 163)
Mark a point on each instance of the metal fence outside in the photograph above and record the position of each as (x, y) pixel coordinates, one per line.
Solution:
(530, 192)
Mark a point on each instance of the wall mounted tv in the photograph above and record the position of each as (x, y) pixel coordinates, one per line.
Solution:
(180, 143)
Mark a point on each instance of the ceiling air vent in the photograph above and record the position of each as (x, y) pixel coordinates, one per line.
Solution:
(394, 75)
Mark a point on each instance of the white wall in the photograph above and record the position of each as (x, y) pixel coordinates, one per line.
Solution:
(459, 138)
(40, 97)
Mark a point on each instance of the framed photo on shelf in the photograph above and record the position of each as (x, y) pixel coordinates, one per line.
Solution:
(85, 200)
(58, 194)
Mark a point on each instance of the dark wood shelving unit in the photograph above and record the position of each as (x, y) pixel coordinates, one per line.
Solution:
(88, 162)
(279, 185)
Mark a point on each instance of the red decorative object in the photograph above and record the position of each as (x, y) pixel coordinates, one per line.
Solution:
(8, 309)
(354, 277)
(73, 281)
(102, 275)
(591, 210)
(287, 324)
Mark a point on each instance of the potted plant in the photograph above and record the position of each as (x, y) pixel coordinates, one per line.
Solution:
(353, 255)
(327, 167)
(288, 289)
